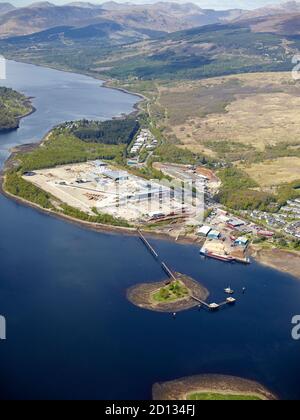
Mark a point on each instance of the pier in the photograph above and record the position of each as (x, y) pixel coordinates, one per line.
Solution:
(164, 266)
(171, 275)
(147, 244)
(200, 301)
(168, 271)
(214, 306)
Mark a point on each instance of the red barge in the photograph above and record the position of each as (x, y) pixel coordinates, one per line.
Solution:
(224, 258)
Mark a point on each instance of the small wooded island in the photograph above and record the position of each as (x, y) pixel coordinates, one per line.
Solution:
(168, 296)
(13, 107)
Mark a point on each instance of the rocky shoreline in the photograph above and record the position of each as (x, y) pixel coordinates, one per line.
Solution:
(285, 261)
(181, 388)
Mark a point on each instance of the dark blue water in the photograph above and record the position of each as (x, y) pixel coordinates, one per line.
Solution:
(72, 333)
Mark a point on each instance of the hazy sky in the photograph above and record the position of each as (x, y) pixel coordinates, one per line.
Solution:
(214, 4)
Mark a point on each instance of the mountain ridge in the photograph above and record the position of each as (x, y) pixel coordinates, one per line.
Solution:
(161, 16)
(6, 7)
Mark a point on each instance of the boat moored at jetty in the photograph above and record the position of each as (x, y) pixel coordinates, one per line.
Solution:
(224, 258)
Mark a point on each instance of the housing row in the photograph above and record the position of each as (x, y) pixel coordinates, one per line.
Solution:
(145, 140)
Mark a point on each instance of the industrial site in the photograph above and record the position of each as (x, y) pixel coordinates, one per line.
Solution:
(176, 209)
(182, 209)
(97, 186)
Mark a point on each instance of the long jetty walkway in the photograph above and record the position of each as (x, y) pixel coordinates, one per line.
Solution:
(164, 266)
(172, 276)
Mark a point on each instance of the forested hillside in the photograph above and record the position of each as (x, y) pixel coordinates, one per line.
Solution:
(13, 106)
(113, 132)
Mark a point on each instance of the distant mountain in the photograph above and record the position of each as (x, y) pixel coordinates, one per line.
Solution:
(290, 7)
(283, 19)
(105, 32)
(6, 7)
(287, 24)
(41, 4)
(110, 49)
(84, 4)
(281, 9)
(113, 5)
(208, 51)
(167, 17)
(143, 18)
(41, 16)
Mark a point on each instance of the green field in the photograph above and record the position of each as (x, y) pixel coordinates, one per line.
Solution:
(63, 148)
(172, 292)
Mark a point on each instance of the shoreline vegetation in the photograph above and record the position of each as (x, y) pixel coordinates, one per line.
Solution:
(211, 387)
(166, 296)
(14, 106)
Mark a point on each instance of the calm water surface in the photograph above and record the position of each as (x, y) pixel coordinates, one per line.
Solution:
(71, 332)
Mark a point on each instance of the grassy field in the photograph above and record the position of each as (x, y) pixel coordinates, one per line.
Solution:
(174, 291)
(62, 148)
(207, 396)
(251, 111)
(274, 172)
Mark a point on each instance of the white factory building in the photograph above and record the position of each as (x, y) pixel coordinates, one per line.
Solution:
(204, 231)
(116, 176)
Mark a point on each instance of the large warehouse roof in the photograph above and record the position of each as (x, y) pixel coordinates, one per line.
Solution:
(204, 230)
(116, 175)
